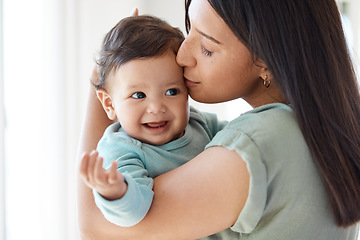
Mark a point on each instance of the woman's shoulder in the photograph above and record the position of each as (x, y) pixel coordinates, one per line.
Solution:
(265, 117)
(262, 123)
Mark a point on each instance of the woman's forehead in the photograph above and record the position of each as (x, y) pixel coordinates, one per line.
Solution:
(205, 20)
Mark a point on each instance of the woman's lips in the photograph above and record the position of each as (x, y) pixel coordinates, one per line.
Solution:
(190, 83)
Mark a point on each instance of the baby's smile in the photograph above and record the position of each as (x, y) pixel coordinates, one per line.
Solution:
(156, 124)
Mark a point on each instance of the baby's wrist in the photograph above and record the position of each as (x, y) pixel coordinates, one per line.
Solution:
(115, 195)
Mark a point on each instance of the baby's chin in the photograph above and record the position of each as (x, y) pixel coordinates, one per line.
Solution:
(161, 141)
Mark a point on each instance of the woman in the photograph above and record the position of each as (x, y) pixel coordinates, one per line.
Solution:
(288, 169)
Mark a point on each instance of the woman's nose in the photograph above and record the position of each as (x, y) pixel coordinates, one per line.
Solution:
(185, 57)
(156, 107)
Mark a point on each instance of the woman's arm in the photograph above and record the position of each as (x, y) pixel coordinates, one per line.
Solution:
(197, 199)
(94, 125)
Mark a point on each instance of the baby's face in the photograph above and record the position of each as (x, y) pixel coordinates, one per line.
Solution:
(150, 98)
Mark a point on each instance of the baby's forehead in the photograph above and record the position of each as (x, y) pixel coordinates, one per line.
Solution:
(159, 70)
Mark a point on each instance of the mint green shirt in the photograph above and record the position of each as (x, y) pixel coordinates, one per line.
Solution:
(140, 163)
(287, 199)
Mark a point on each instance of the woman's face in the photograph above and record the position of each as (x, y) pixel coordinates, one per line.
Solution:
(217, 66)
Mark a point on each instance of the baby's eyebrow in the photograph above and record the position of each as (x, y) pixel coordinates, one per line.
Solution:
(208, 37)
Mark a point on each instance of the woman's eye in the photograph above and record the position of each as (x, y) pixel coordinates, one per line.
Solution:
(172, 92)
(139, 95)
(206, 52)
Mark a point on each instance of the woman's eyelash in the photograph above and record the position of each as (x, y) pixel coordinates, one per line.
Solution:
(206, 52)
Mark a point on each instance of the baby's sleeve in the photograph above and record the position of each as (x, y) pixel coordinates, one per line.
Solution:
(134, 205)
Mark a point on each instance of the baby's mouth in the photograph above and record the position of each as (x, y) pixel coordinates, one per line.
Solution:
(156, 124)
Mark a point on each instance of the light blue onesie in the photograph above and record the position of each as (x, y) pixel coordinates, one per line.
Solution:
(287, 199)
(140, 163)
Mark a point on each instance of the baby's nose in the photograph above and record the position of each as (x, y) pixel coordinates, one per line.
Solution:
(156, 107)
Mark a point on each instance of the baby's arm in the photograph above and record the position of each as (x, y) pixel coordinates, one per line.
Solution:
(109, 184)
(123, 190)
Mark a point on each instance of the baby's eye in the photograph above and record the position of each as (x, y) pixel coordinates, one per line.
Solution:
(139, 95)
(172, 92)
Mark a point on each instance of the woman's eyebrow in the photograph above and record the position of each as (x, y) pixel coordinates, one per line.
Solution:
(208, 37)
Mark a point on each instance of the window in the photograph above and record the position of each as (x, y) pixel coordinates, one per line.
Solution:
(350, 17)
(2, 133)
(40, 143)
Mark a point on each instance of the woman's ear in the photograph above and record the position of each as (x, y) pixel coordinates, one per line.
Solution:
(264, 73)
(106, 102)
(260, 63)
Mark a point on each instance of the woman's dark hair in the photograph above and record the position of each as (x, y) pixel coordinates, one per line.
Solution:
(303, 45)
(134, 38)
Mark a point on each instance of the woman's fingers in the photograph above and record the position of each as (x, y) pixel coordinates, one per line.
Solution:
(135, 12)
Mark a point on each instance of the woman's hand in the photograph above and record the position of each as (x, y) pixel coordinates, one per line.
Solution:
(135, 12)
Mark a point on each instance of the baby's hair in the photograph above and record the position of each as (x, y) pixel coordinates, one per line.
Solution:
(134, 38)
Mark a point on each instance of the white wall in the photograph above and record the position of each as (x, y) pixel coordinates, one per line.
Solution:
(2, 133)
(352, 12)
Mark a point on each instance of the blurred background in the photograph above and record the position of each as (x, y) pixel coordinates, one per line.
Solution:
(47, 51)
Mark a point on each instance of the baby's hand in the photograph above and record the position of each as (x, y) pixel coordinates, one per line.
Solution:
(109, 184)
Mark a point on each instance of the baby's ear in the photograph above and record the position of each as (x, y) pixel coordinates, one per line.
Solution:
(106, 102)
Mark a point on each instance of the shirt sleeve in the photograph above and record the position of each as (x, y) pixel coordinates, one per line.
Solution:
(256, 201)
(134, 205)
(131, 208)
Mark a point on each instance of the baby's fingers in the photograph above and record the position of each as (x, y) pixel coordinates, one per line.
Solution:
(100, 174)
(87, 167)
(84, 167)
(91, 166)
(113, 174)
